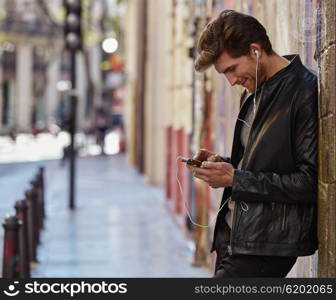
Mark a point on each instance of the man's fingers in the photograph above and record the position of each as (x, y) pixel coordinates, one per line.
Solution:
(215, 158)
(199, 171)
(197, 155)
(218, 158)
(202, 177)
(202, 154)
(212, 165)
(216, 165)
(202, 171)
(212, 158)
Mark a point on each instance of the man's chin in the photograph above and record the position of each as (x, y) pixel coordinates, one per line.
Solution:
(249, 89)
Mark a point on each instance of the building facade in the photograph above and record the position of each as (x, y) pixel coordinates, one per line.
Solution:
(34, 64)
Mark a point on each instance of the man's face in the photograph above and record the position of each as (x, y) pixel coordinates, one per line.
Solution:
(239, 70)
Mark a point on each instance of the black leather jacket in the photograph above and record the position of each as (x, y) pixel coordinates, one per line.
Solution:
(278, 179)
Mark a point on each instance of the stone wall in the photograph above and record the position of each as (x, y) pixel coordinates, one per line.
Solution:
(326, 53)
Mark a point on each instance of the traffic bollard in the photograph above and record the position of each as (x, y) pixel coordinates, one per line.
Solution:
(32, 225)
(35, 184)
(10, 264)
(42, 187)
(21, 208)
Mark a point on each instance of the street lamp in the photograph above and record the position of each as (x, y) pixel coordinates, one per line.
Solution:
(73, 42)
(110, 45)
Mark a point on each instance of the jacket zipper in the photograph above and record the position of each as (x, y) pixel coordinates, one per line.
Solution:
(229, 247)
(248, 143)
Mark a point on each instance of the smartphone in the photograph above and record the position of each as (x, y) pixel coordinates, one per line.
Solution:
(192, 162)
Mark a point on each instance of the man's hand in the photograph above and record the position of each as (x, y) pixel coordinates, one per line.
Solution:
(206, 155)
(216, 174)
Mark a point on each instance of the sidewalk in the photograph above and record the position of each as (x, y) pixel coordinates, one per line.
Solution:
(120, 227)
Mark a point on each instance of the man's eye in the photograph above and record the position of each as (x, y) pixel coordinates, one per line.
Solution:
(231, 69)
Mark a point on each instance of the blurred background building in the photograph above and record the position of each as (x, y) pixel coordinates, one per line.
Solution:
(30, 42)
(35, 68)
(142, 96)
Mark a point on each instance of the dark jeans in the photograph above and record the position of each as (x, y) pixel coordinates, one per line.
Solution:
(230, 266)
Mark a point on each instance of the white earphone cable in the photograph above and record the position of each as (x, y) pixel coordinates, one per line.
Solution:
(255, 91)
(256, 84)
(186, 205)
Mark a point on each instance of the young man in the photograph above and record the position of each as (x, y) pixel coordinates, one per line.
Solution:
(270, 197)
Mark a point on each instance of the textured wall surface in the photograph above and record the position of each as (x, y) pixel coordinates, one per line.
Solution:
(327, 139)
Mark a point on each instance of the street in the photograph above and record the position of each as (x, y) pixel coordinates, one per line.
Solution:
(120, 227)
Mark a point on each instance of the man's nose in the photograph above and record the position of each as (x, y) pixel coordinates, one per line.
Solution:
(232, 79)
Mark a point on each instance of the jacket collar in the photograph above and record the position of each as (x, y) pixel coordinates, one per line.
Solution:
(295, 61)
(266, 89)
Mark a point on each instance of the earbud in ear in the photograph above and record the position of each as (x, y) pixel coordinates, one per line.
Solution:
(256, 52)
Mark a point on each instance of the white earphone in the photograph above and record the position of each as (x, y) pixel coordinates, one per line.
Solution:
(256, 52)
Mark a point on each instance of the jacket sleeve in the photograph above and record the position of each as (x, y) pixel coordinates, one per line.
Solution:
(296, 187)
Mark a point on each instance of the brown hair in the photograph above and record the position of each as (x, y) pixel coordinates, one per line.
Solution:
(232, 32)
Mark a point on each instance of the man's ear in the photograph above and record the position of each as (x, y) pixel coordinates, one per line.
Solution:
(255, 50)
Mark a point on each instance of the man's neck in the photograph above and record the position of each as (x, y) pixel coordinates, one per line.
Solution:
(274, 64)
